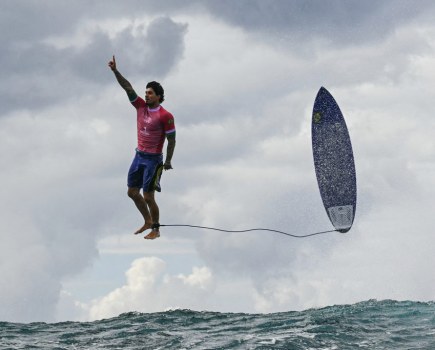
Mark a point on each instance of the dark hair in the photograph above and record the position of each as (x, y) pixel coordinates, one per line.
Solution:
(158, 89)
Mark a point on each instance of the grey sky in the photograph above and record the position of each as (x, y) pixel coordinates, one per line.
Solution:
(240, 78)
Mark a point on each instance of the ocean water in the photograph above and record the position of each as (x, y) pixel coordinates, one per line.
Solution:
(366, 325)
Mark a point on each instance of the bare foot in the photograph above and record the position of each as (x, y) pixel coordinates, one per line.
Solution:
(153, 234)
(143, 228)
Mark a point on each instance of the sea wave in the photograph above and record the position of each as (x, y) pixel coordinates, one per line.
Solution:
(371, 324)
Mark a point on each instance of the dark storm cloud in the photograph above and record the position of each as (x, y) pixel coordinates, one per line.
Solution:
(167, 35)
(341, 22)
(153, 52)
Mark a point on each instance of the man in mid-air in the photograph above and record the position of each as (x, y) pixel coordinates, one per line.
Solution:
(154, 124)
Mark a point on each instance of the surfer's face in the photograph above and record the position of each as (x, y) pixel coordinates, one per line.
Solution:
(151, 99)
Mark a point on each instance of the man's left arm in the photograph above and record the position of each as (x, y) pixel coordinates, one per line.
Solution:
(169, 150)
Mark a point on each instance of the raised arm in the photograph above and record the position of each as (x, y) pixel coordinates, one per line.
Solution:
(125, 84)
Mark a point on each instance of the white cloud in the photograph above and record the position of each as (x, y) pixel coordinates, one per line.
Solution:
(149, 289)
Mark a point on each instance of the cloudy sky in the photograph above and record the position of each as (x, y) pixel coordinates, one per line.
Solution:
(240, 78)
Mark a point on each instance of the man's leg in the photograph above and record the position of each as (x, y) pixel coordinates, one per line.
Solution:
(154, 211)
(141, 205)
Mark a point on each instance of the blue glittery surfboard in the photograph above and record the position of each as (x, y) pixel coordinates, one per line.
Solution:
(333, 161)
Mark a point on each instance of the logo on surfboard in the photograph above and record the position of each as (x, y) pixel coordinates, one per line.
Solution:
(317, 117)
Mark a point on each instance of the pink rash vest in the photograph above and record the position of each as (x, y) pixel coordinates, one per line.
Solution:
(152, 126)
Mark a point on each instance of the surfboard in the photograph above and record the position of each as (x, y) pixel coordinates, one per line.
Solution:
(333, 161)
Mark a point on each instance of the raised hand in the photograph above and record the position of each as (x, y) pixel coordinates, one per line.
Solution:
(112, 64)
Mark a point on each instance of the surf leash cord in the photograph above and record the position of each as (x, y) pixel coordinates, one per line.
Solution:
(247, 230)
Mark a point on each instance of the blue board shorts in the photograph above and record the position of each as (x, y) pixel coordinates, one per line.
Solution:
(145, 171)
